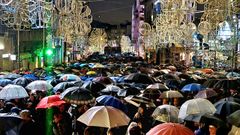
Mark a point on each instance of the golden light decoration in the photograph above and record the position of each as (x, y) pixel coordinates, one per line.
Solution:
(201, 1)
(125, 43)
(5, 2)
(97, 40)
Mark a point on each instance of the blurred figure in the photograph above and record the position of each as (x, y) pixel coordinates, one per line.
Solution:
(28, 126)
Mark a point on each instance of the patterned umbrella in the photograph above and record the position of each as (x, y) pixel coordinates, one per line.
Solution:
(13, 92)
(78, 96)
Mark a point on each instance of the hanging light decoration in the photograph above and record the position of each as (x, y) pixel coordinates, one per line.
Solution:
(97, 40)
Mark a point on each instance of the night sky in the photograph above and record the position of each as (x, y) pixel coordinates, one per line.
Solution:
(112, 11)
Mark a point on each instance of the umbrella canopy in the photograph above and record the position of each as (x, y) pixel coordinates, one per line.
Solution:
(232, 75)
(13, 92)
(166, 113)
(31, 76)
(5, 82)
(208, 93)
(62, 86)
(103, 80)
(151, 93)
(9, 121)
(212, 120)
(12, 76)
(226, 85)
(91, 73)
(78, 96)
(70, 77)
(196, 106)
(193, 87)
(158, 86)
(94, 87)
(22, 81)
(170, 77)
(210, 83)
(233, 99)
(234, 118)
(50, 101)
(139, 78)
(128, 91)
(234, 131)
(137, 100)
(225, 108)
(108, 100)
(39, 85)
(172, 84)
(98, 65)
(111, 89)
(170, 129)
(171, 94)
(104, 116)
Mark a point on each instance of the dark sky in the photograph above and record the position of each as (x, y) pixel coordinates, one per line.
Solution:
(112, 11)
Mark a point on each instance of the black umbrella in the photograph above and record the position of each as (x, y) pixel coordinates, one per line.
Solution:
(139, 78)
(62, 86)
(170, 77)
(94, 87)
(103, 80)
(234, 118)
(210, 83)
(237, 100)
(128, 91)
(226, 85)
(77, 96)
(22, 81)
(172, 84)
(9, 121)
(212, 120)
(225, 108)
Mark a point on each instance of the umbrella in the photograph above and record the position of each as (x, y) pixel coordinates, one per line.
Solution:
(196, 106)
(233, 75)
(22, 81)
(94, 87)
(139, 78)
(98, 65)
(62, 86)
(226, 85)
(207, 71)
(166, 113)
(171, 94)
(31, 76)
(39, 85)
(137, 100)
(165, 71)
(210, 83)
(12, 76)
(4, 82)
(91, 73)
(70, 77)
(233, 99)
(173, 68)
(9, 121)
(108, 100)
(103, 80)
(234, 131)
(170, 129)
(192, 87)
(170, 77)
(111, 89)
(13, 92)
(206, 93)
(158, 86)
(225, 108)
(104, 116)
(234, 118)
(172, 84)
(212, 120)
(128, 91)
(78, 96)
(50, 101)
(151, 93)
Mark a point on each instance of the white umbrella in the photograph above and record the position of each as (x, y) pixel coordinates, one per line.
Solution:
(13, 92)
(196, 106)
(104, 116)
(39, 85)
(111, 88)
(70, 77)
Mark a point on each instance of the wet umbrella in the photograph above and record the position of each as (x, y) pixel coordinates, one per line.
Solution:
(170, 77)
(234, 131)
(31, 76)
(50, 101)
(104, 116)
(22, 81)
(226, 85)
(90, 73)
(4, 82)
(77, 96)
(128, 91)
(13, 92)
(210, 119)
(225, 108)
(171, 94)
(94, 87)
(233, 75)
(151, 93)
(12, 76)
(139, 78)
(233, 99)
(108, 100)
(193, 87)
(208, 93)
(234, 118)
(111, 89)
(98, 65)
(9, 121)
(184, 76)
(70, 77)
(62, 86)
(166, 113)
(103, 80)
(39, 85)
(170, 129)
(195, 107)
(210, 83)
(158, 86)
(172, 84)
(137, 100)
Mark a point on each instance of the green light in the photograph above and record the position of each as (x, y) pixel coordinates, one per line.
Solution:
(49, 52)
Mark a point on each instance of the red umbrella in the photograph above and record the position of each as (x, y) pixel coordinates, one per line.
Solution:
(170, 129)
(50, 101)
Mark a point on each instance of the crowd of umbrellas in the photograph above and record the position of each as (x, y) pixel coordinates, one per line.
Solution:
(114, 91)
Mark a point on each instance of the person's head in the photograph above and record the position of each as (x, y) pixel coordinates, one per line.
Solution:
(136, 130)
(26, 115)
(57, 117)
(212, 130)
(141, 108)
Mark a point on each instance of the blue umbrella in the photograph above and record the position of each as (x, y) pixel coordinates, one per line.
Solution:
(108, 100)
(4, 82)
(22, 81)
(31, 76)
(172, 84)
(12, 76)
(193, 87)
